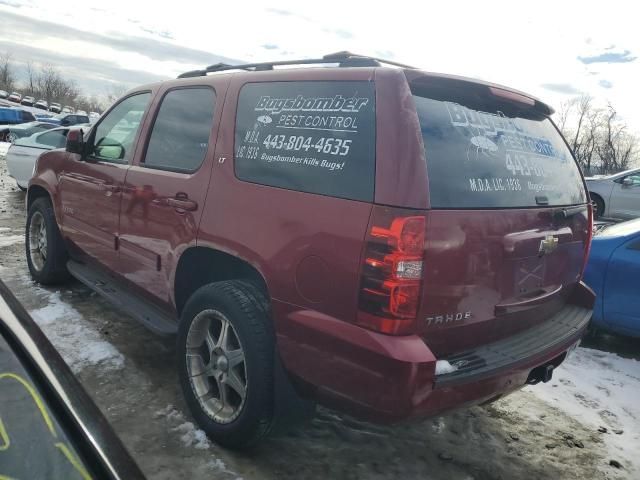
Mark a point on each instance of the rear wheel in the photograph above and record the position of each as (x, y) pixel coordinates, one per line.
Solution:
(45, 249)
(598, 206)
(226, 362)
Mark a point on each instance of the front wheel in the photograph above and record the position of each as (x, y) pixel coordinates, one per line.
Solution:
(598, 207)
(45, 249)
(226, 362)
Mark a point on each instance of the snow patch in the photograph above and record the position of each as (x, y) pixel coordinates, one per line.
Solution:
(191, 436)
(600, 389)
(79, 343)
(7, 240)
(443, 367)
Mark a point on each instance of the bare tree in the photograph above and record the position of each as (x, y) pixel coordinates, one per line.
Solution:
(7, 78)
(31, 78)
(600, 140)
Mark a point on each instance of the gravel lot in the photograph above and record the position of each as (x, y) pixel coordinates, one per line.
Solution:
(549, 431)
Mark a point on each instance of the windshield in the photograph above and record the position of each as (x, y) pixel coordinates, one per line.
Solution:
(483, 153)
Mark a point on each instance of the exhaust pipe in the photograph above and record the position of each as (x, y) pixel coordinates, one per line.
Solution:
(543, 374)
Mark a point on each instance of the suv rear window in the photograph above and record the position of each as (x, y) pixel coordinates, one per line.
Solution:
(316, 137)
(485, 153)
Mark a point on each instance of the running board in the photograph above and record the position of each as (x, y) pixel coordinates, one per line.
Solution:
(142, 310)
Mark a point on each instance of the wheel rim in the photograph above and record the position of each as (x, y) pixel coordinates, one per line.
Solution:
(38, 241)
(216, 366)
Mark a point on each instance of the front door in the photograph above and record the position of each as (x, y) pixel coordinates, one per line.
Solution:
(91, 185)
(625, 197)
(165, 189)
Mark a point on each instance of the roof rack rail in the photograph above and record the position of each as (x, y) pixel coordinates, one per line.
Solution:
(344, 59)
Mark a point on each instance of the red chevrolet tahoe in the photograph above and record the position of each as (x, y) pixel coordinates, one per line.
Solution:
(390, 242)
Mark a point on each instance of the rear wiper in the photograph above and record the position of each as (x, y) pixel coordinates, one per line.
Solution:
(569, 212)
(542, 200)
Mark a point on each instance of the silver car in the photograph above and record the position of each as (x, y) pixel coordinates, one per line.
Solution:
(616, 196)
(22, 155)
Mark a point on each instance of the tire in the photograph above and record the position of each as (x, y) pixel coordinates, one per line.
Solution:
(207, 367)
(598, 211)
(11, 137)
(50, 268)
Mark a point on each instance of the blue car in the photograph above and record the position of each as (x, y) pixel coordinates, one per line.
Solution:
(613, 272)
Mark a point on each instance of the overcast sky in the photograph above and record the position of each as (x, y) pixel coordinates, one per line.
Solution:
(552, 49)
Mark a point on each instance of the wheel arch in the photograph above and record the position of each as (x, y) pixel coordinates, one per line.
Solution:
(593, 195)
(198, 266)
(36, 191)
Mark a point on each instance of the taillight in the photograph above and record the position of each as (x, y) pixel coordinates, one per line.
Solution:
(391, 273)
(588, 238)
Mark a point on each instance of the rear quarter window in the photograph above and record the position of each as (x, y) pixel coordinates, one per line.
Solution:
(311, 136)
(484, 154)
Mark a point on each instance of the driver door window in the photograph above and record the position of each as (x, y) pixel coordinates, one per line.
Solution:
(115, 135)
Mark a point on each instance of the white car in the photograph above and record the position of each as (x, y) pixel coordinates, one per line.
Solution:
(22, 155)
(616, 196)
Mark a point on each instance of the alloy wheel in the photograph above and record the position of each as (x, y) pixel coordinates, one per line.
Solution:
(216, 366)
(38, 241)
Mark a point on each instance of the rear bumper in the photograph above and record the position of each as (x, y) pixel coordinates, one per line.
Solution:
(383, 378)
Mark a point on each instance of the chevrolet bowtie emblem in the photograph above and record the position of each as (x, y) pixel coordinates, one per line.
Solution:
(548, 245)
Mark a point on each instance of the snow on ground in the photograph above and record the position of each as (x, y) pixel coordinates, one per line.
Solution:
(79, 343)
(6, 240)
(600, 389)
(190, 436)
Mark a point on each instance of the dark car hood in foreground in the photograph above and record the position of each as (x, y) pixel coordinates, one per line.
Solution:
(49, 426)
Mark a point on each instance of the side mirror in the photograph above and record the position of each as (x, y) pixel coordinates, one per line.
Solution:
(65, 123)
(75, 142)
(627, 182)
(109, 152)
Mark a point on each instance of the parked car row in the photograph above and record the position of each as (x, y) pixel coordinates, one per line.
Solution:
(30, 101)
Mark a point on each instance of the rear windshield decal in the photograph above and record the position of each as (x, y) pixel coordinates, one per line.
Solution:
(491, 159)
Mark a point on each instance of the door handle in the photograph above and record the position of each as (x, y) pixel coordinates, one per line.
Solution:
(541, 296)
(182, 202)
(109, 188)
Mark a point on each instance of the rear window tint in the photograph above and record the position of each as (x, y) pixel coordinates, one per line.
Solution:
(316, 137)
(482, 154)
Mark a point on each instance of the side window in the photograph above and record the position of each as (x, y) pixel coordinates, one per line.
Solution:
(634, 180)
(27, 116)
(55, 139)
(180, 134)
(115, 134)
(315, 137)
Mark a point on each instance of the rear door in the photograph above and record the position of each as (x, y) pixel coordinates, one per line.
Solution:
(166, 188)
(508, 226)
(625, 197)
